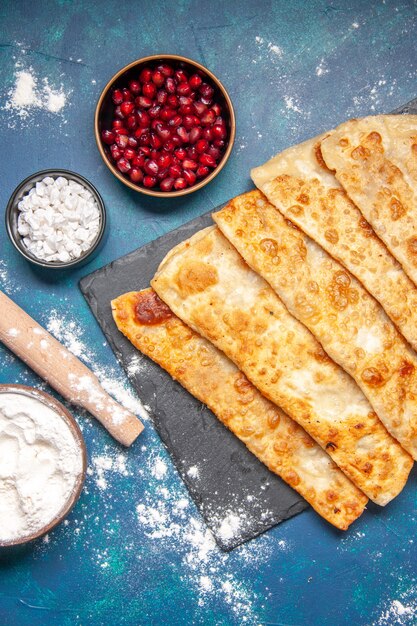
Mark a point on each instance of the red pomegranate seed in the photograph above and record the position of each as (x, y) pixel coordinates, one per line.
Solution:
(206, 90)
(190, 120)
(172, 101)
(185, 100)
(192, 153)
(195, 81)
(143, 119)
(170, 85)
(120, 131)
(207, 101)
(189, 164)
(166, 69)
(175, 171)
(117, 96)
(163, 132)
(176, 140)
(180, 183)
(201, 146)
(156, 142)
(208, 118)
(132, 142)
(131, 122)
(136, 175)
(219, 131)
(151, 167)
(190, 177)
(127, 95)
(181, 76)
(145, 75)
(199, 108)
(169, 145)
(202, 171)
(144, 102)
(145, 150)
(121, 141)
(155, 122)
(154, 111)
(117, 123)
(207, 134)
(155, 154)
(149, 90)
(161, 96)
(183, 89)
(175, 121)
(217, 108)
(116, 152)
(181, 153)
(129, 154)
(158, 78)
(139, 160)
(134, 87)
(206, 159)
(214, 152)
(195, 134)
(167, 114)
(183, 134)
(123, 165)
(163, 173)
(118, 112)
(108, 137)
(219, 143)
(166, 184)
(145, 138)
(186, 109)
(149, 181)
(164, 160)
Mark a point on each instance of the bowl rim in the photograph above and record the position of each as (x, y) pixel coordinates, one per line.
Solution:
(59, 408)
(217, 169)
(12, 206)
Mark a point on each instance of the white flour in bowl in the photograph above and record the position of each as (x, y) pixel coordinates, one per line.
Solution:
(40, 463)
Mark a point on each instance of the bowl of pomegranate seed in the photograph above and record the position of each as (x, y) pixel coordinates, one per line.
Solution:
(165, 125)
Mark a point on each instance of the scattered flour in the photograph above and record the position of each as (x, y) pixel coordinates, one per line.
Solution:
(399, 614)
(322, 68)
(193, 472)
(275, 51)
(291, 104)
(7, 284)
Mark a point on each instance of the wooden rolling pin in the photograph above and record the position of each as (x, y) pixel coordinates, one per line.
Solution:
(63, 371)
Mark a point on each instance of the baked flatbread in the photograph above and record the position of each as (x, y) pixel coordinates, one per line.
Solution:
(280, 443)
(350, 325)
(375, 159)
(208, 285)
(298, 183)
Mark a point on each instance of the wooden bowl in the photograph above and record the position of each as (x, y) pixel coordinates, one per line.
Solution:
(103, 116)
(56, 406)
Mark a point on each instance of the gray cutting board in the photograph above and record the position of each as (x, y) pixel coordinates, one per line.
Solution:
(230, 478)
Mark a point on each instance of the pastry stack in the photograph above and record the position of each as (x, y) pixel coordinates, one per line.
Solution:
(294, 317)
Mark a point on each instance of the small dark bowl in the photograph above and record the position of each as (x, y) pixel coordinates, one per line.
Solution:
(59, 408)
(103, 117)
(12, 214)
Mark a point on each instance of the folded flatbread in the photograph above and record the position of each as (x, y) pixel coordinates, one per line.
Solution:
(350, 325)
(208, 285)
(280, 443)
(375, 159)
(299, 184)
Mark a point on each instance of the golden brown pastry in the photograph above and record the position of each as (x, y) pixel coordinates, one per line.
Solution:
(280, 443)
(209, 286)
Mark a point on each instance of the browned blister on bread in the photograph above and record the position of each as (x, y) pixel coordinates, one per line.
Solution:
(350, 325)
(279, 442)
(210, 287)
(375, 159)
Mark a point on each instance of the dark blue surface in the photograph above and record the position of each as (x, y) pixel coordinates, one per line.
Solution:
(292, 69)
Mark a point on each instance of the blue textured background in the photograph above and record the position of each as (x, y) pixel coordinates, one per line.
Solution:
(292, 69)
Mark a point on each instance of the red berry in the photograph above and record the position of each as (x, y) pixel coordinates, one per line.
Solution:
(192, 153)
(108, 137)
(195, 134)
(144, 102)
(189, 164)
(118, 112)
(190, 177)
(217, 108)
(145, 75)
(175, 121)
(151, 167)
(154, 111)
(134, 87)
(166, 184)
(164, 160)
(181, 153)
(201, 146)
(172, 101)
(117, 96)
(123, 165)
(136, 175)
(169, 145)
(127, 95)
(149, 181)
(121, 141)
(181, 76)
(167, 114)
(199, 108)
(145, 150)
(120, 131)
(132, 142)
(170, 85)
(183, 89)
(161, 96)
(219, 131)
(143, 119)
(183, 134)
(129, 154)
(163, 132)
(115, 152)
(195, 81)
(166, 69)
(180, 183)
(208, 118)
(131, 122)
(139, 160)
(117, 124)
(206, 90)
(175, 171)
(219, 143)
(207, 134)
(149, 90)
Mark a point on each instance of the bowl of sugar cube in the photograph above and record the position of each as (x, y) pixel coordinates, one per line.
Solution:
(56, 219)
